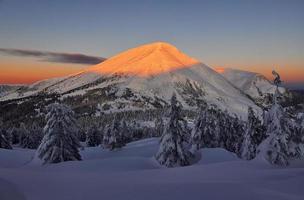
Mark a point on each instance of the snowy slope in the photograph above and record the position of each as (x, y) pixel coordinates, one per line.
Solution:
(153, 71)
(132, 174)
(255, 85)
(6, 89)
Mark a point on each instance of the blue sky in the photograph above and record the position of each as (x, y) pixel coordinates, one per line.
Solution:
(246, 34)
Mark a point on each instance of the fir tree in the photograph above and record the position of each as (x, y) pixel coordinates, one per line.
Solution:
(159, 127)
(198, 131)
(15, 133)
(236, 135)
(253, 133)
(31, 138)
(114, 138)
(5, 143)
(125, 131)
(93, 137)
(81, 135)
(59, 143)
(296, 142)
(172, 151)
(274, 148)
(211, 131)
(106, 136)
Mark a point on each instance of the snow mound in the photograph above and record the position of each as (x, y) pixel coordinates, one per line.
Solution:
(131, 174)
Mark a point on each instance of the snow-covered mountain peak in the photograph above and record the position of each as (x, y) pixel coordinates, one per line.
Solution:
(143, 78)
(146, 60)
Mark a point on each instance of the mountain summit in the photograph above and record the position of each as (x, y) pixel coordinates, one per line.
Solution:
(144, 78)
(146, 60)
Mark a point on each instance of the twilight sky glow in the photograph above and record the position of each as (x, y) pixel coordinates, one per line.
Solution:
(252, 35)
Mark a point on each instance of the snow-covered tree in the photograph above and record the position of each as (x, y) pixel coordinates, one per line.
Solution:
(31, 138)
(5, 142)
(208, 128)
(172, 151)
(159, 126)
(275, 148)
(114, 138)
(231, 129)
(198, 131)
(296, 142)
(59, 143)
(106, 136)
(93, 136)
(15, 133)
(125, 131)
(253, 132)
(81, 135)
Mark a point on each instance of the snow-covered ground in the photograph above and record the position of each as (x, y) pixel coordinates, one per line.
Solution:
(131, 173)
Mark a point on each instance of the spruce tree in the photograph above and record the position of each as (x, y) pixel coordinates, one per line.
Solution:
(159, 127)
(15, 133)
(212, 131)
(59, 143)
(275, 148)
(93, 136)
(296, 142)
(172, 152)
(125, 131)
(114, 138)
(198, 131)
(106, 136)
(31, 138)
(5, 142)
(253, 133)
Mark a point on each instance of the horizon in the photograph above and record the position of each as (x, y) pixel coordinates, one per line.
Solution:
(43, 39)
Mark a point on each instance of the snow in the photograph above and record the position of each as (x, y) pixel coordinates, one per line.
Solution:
(152, 70)
(132, 173)
(251, 83)
(146, 60)
(8, 88)
(14, 158)
(9, 191)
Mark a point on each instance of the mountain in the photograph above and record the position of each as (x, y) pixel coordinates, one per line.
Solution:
(143, 78)
(6, 89)
(257, 86)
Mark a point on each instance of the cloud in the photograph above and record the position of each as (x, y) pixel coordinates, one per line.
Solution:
(54, 56)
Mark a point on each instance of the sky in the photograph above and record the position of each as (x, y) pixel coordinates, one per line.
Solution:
(40, 39)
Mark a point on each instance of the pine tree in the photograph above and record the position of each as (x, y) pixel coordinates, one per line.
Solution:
(114, 139)
(93, 137)
(15, 133)
(274, 148)
(159, 127)
(253, 133)
(125, 131)
(106, 136)
(172, 151)
(198, 131)
(211, 132)
(81, 135)
(59, 143)
(22, 132)
(32, 137)
(296, 142)
(5, 143)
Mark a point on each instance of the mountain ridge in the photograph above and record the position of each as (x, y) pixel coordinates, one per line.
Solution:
(145, 77)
